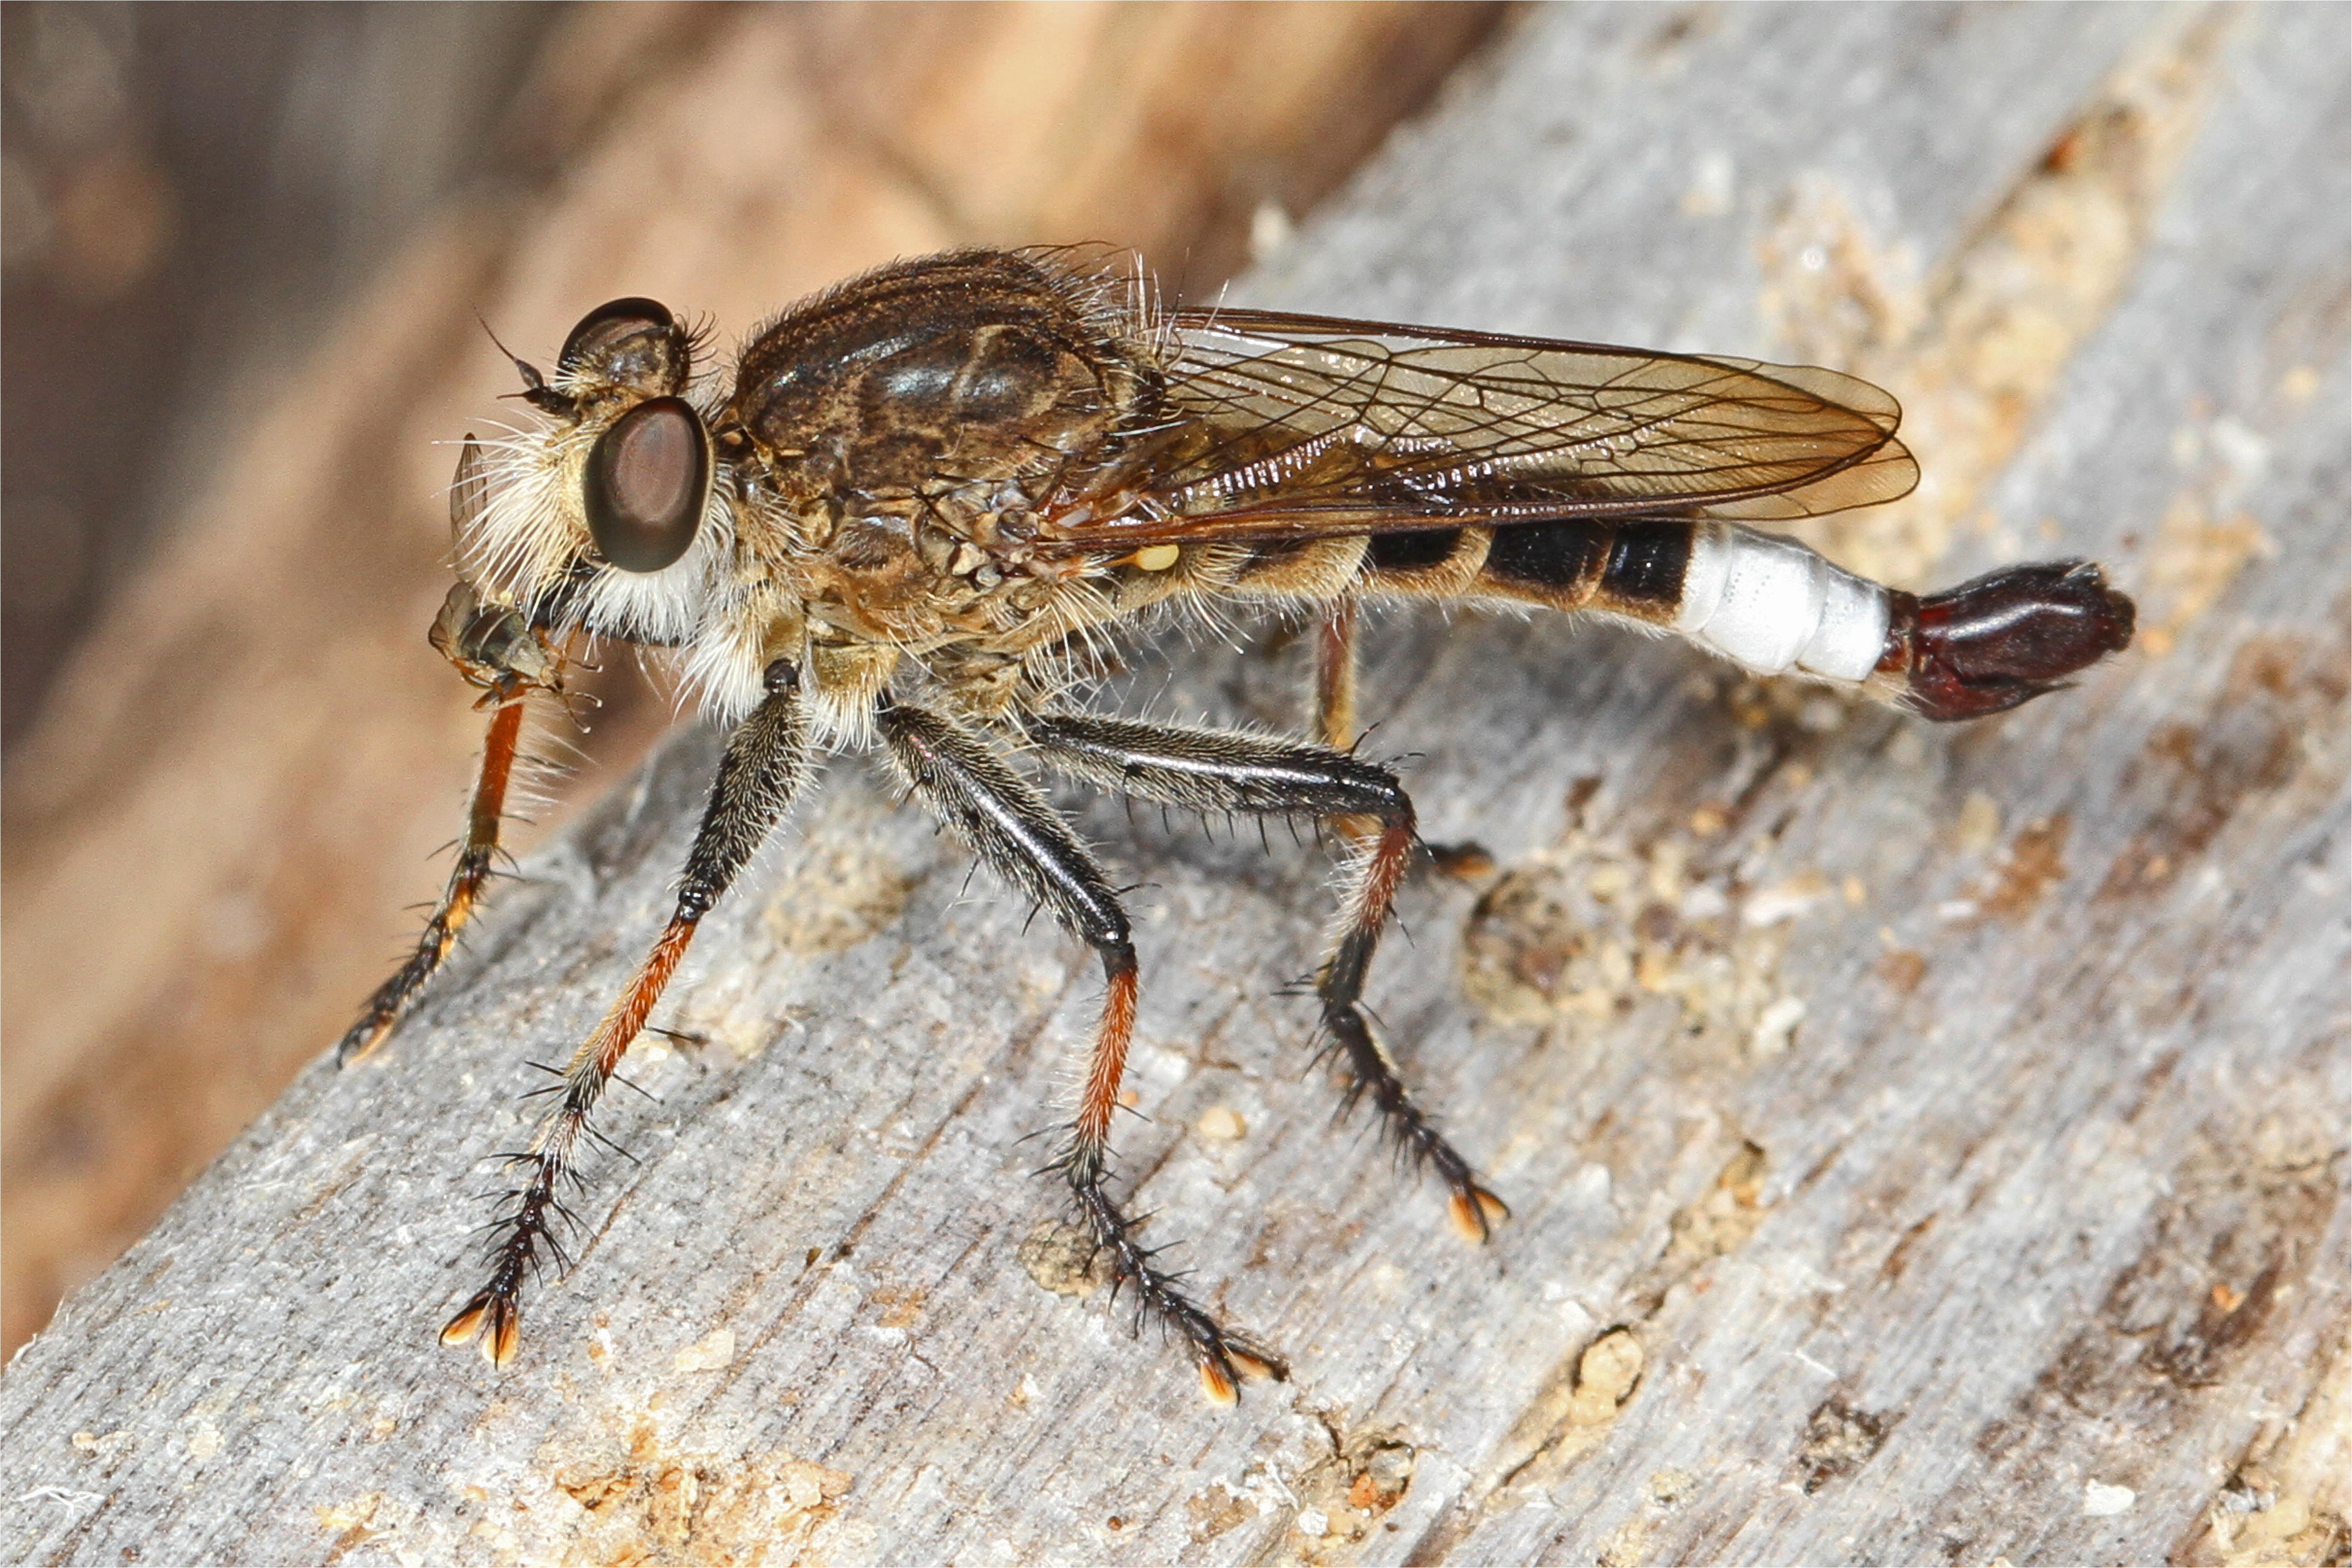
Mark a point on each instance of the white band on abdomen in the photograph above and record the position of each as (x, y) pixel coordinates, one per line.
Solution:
(1773, 606)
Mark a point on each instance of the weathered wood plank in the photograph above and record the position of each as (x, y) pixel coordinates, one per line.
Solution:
(2022, 1237)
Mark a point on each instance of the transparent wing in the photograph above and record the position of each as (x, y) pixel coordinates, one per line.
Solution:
(1281, 425)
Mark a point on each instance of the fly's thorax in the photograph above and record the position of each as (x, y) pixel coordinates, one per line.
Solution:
(949, 564)
(977, 373)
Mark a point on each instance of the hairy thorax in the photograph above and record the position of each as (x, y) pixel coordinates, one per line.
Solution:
(903, 437)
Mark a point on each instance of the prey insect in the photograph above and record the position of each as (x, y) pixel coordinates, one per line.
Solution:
(903, 516)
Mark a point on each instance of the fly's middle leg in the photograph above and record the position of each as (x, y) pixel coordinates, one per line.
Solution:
(766, 763)
(1012, 828)
(1209, 770)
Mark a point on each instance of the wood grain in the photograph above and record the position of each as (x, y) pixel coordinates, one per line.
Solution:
(1922, 1143)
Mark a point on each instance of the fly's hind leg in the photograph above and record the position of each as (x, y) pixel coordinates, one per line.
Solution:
(1209, 770)
(1335, 674)
(1334, 726)
(1010, 825)
(766, 763)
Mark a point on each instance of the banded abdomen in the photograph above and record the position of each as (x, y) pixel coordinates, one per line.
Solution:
(1763, 601)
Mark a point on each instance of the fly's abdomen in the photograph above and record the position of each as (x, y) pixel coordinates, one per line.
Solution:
(1773, 606)
(1762, 600)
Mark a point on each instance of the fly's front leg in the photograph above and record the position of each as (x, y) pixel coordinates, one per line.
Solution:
(1209, 770)
(494, 649)
(766, 763)
(1010, 825)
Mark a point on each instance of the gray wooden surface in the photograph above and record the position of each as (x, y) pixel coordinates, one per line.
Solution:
(1922, 1143)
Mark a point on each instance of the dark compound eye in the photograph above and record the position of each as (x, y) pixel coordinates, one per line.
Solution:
(647, 478)
(631, 342)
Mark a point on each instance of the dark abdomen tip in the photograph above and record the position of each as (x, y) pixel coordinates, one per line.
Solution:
(2006, 637)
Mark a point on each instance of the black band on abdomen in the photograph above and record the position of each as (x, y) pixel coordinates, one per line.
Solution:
(1415, 552)
(1547, 560)
(1646, 564)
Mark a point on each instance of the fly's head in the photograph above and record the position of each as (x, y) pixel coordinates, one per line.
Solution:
(864, 484)
(614, 513)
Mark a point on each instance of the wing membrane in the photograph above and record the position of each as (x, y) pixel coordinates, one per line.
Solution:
(1280, 425)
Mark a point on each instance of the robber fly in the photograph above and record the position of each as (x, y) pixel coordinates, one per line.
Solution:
(906, 516)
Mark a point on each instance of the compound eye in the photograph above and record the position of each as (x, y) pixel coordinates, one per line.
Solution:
(631, 342)
(647, 478)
